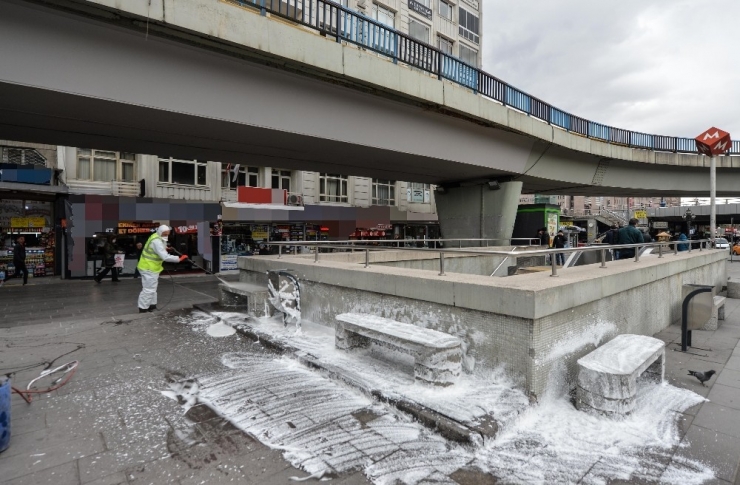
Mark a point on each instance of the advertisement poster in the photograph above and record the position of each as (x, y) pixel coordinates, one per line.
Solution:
(228, 262)
(552, 223)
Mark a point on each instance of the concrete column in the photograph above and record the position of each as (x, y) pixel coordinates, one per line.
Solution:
(479, 212)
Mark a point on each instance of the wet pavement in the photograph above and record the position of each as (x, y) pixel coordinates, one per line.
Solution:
(111, 424)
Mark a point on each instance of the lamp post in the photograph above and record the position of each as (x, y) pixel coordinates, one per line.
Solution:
(713, 142)
(688, 216)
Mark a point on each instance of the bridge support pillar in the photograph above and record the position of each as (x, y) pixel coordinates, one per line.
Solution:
(485, 211)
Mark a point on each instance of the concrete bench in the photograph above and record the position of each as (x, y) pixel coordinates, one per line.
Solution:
(607, 377)
(733, 288)
(437, 356)
(718, 313)
(246, 297)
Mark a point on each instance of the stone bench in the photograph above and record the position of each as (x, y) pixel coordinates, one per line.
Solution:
(718, 313)
(733, 288)
(607, 377)
(437, 355)
(247, 297)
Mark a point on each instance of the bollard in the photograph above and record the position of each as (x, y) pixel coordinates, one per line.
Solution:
(316, 255)
(603, 258)
(441, 263)
(637, 254)
(660, 251)
(701, 246)
(367, 258)
(554, 260)
(295, 250)
(675, 249)
(280, 250)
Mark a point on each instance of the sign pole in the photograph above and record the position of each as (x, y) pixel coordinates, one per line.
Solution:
(712, 198)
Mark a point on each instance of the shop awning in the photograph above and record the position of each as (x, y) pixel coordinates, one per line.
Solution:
(245, 205)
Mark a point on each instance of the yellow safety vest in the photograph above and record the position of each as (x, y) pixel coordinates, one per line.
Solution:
(150, 260)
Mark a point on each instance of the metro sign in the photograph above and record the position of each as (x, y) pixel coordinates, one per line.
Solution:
(713, 142)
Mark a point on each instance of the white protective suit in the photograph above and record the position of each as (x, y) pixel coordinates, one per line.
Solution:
(150, 279)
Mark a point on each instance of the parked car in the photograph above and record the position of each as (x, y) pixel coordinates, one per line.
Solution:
(721, 243)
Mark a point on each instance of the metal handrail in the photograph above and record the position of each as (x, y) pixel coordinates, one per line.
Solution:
(332, 19)
(703, 244)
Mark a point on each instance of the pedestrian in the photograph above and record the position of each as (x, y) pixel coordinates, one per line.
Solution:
(19, 259)
(150, 266)
(559, 242)
(629, 234)
(684, 246)
(139, 248)
(109, 261)
(543, 237)
(612, 237)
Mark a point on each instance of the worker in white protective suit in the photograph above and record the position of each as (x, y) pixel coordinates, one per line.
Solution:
(153, 256)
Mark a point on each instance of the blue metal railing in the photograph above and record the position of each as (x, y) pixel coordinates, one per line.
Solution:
(334, 20)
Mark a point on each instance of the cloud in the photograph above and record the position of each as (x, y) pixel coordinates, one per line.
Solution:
(668, 67)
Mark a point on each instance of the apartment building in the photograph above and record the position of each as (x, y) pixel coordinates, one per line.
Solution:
(580, 205)
(453, 26)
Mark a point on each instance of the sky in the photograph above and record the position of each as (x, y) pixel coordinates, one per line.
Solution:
(667, 67)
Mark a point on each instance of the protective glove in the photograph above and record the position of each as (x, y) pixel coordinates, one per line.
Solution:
(183, 257)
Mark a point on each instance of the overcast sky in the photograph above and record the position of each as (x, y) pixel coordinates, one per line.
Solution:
(657, 66)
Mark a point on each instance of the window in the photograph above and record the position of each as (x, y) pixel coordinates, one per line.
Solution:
(469, 27)
(233, 176)
(332, 188)
(384, 16)
(418, 31)
(445, 10)
(104, 166)
(22, 156)
(426, 3)
(281, 179)
(469, 55)
(384, 192)
(444, 45)
(183, 172)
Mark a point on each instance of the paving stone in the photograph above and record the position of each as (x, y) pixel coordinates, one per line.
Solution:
(53, 456)
(719, 451)
(65, 474)
(733, 363)
(725, 396)
(719, 418)
(729, 377)
(117, 478)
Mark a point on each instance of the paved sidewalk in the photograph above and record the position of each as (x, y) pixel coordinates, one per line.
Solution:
(111, 424)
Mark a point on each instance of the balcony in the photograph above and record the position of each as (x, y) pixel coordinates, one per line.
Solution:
(121, 189)
(445, 27)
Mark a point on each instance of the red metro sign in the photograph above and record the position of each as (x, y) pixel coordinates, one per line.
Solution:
(713, 142)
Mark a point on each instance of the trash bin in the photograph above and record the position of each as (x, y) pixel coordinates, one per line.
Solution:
(4, 413)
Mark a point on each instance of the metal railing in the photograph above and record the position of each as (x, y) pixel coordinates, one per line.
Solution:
(332, 19)
(370, 245)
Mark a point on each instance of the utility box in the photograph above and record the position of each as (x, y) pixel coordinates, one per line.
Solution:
(700, 307)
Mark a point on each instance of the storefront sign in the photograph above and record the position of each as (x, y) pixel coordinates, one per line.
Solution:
(228, 262)
(137, 227)
(420, 9)
(190, 229)
(640, 215)
(660, 225)
(27, 222)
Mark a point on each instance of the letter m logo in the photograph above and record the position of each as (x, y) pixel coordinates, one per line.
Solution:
(709, 136)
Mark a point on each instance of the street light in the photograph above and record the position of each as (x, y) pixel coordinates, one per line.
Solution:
(688, 216)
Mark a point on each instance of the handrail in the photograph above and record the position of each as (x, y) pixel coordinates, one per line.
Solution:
(369, 245)
(332, 19)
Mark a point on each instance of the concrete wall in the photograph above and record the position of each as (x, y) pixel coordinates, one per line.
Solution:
(518, 321)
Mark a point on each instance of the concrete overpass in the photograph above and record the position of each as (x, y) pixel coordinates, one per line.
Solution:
(207, 79)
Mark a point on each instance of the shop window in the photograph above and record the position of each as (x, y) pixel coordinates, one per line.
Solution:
(468, 55)
(281, 179)
(105, 166)
(444, 45)
(333, 188)
(233, 176)
(182, 172)
(469, 26)
(445, 10)
(384, 192)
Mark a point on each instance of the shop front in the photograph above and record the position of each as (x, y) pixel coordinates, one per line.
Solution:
(130, 221)
(33, 217)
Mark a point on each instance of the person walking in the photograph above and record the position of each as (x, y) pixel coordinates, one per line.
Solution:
(684, 246)
(150, 266)
(19, 259)
(612, 237)
(559, 242)
(139, 248)
(109, 261)
(629, 234)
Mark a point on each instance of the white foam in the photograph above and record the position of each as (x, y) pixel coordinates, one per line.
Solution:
(220, 329)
